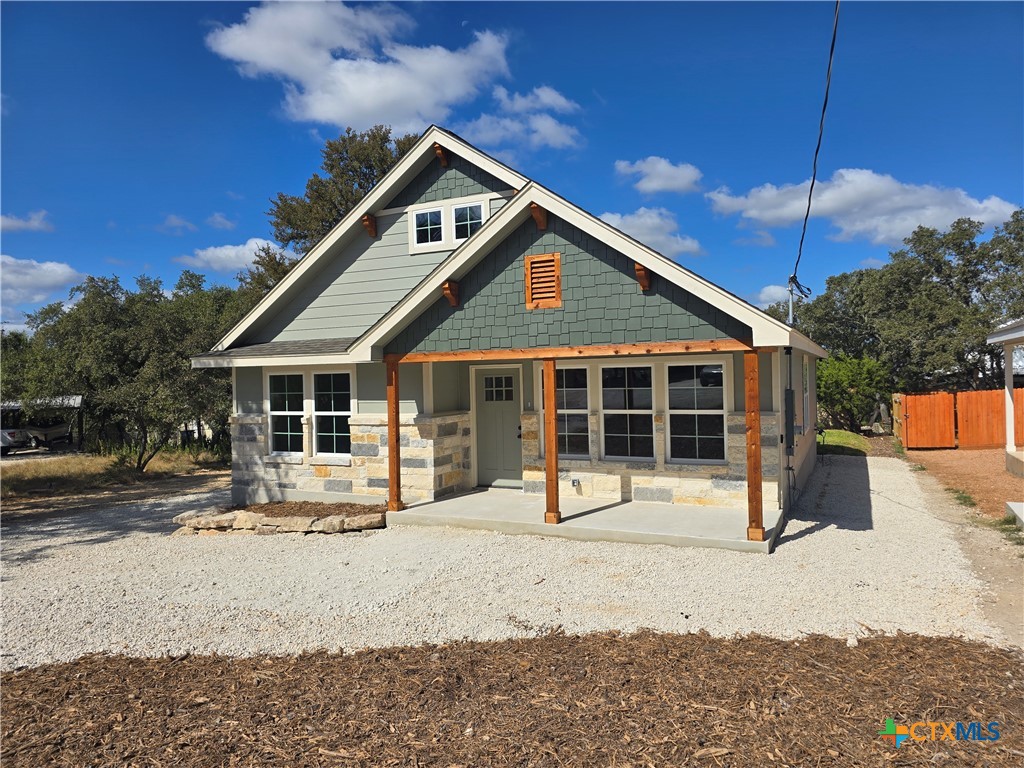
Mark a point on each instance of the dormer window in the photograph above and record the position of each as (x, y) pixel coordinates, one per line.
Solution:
(444, 225)
(428, 227)
(468, 219)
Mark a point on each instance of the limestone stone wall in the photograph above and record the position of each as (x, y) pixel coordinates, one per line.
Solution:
(719, 485)
(435, 461)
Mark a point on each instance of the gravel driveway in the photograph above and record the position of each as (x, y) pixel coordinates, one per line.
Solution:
(860, 551)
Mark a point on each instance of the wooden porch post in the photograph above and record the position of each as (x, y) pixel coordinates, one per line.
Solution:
(394, 451)
(1011, 429)
(755, 524)
(551, 512)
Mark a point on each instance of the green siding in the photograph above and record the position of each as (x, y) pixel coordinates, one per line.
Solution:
(765, 381)
(601, 302)
(248, 390)
(352, 288)
(451, 387)
(372, 392)
(435, 182)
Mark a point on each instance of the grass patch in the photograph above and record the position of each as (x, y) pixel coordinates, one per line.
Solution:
(918, 468)
(963, 497)
(839, 442)
(1010, 528)
(77, 473)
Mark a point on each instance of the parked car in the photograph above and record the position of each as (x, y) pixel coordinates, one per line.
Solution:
(711, 376)
(12, 439)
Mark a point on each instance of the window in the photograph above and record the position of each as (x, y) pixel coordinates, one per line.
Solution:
(286, 409)
(696, 413)
(498, 389)
(468, 219)
(572, 412)
(332, 406)
(544, 281)
(627, 407)
(428, 227)
(808, 417)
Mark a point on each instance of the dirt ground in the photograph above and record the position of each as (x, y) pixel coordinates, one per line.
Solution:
(199, 482)
(642, 700)
(982, 474)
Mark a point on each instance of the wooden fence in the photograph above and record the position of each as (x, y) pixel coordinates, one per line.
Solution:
(956, 420)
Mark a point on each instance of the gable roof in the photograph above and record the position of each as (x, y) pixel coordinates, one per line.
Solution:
(766, 330)
(404, 171)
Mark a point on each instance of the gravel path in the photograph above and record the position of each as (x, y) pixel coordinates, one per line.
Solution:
(112, 580)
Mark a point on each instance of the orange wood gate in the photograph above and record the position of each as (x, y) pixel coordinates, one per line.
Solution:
(928, 421)
(981, 418)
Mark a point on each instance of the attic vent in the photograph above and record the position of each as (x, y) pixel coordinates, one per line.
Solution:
(544, 281)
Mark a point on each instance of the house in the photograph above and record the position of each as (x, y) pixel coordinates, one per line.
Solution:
(1010, 336)
(463, 320)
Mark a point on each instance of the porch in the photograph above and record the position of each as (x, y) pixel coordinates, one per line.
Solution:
(680, 523)
(588, 519)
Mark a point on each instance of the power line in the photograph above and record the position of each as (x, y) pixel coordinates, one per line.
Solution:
(794, 283)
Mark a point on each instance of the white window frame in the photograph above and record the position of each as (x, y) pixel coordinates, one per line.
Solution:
(484, 206)
(602, 411)
(351, 373)
(806, 372)
(589, 370)
(271, 414)
(432, 244)
(447, 208)
(724, 412)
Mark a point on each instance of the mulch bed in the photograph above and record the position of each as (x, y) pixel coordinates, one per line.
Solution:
(641, 700)
(318, 509)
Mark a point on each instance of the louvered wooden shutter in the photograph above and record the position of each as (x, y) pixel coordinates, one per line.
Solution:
(544, 281)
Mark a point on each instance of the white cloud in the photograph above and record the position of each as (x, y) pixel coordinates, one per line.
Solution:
(862, 204)
(771, 294)
(541, 99)
(26, 281)
(659, 175)
(176, 225)
(342, 65)
(540, 130)
(224, 258)
(655, 227)
(36, 221)
(761, 238)
(872, 263)
(220, 221)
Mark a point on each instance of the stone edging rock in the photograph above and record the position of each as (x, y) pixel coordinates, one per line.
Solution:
(216, 520)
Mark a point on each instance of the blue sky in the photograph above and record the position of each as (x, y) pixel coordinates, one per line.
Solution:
(144, 138)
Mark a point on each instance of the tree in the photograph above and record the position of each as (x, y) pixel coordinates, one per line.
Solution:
(15, 360)
(268, 268)
(849, 388)
(128, 353)
(926, 314)
(352, 164)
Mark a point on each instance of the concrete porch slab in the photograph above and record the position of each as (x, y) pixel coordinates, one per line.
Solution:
(515, 512)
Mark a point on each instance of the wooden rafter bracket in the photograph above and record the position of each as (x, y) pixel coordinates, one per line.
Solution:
(370, 224)
(540, 216)
(451, 292)
(442, 154)
(643, 276)
(576, 353)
